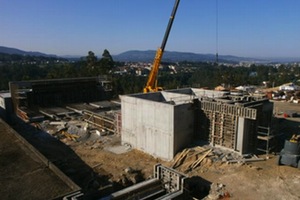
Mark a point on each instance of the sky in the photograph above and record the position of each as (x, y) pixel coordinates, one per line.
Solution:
(248, 28)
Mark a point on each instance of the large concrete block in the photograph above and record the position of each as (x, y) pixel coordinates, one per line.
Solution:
(157, 128)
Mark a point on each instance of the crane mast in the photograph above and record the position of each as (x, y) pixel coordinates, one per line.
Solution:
(151, 85)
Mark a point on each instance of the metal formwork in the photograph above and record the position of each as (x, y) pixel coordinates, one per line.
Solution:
(118, 122)
(222, 129)
(223, 121)
(247, 113)
(166, 184)
(172, 180)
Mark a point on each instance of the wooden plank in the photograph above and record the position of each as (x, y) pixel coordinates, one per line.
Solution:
(197, 162)
(180, 158)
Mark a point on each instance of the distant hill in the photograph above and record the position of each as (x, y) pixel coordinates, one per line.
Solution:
(173, 56)
(9, 50)
(169, 56)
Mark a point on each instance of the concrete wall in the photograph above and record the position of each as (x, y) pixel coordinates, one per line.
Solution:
(157, 128)
(246, 136)
(58, 92)
(187, 91)
(155, 96)
(208, 93)
(148, 126)
(240, 135)
(183, 126)
(177, 98)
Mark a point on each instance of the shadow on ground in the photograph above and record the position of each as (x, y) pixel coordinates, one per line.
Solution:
(65, 159)
(284, 129)
(198, 187)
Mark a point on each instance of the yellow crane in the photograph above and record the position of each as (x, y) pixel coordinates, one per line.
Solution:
(151, 85)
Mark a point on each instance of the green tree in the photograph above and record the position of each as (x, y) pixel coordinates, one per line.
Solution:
(91, 59)
(106, 63)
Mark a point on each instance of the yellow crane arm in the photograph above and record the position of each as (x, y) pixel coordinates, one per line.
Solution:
(151, 85)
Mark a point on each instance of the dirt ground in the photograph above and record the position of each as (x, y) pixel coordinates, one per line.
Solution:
(256, 180)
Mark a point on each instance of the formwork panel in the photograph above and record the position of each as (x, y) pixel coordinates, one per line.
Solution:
(222, 129)
(249, 113)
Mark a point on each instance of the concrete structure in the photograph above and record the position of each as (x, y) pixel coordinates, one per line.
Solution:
(29, 97)
(158, 123)
(163, 123)
(6, 109)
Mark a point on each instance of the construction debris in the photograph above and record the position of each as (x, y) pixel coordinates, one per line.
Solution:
(70, 130)
(217, 191)
(191, 158)
(70, 136)
(197, 162)
(180, 158)
(81, 122)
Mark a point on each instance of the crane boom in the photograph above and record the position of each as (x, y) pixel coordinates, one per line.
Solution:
(151, 85)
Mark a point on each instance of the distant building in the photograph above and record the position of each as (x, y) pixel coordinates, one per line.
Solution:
(247, 88)
(289, 87)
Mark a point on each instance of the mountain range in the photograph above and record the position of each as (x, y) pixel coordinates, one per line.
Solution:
(9, 50)
(173, 56)
(169, 56)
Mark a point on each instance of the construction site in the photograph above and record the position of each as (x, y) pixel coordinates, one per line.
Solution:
(70, 139)
(206, 141)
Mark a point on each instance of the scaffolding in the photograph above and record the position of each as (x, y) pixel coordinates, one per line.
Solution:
(265, 138)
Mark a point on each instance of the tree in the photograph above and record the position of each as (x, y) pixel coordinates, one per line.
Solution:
(91, 59)
(106, 63)
(106, 55)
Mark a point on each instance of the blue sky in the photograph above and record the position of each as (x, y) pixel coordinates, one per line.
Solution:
(250, 28)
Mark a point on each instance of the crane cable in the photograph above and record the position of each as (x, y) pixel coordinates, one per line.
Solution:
(217, 32)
